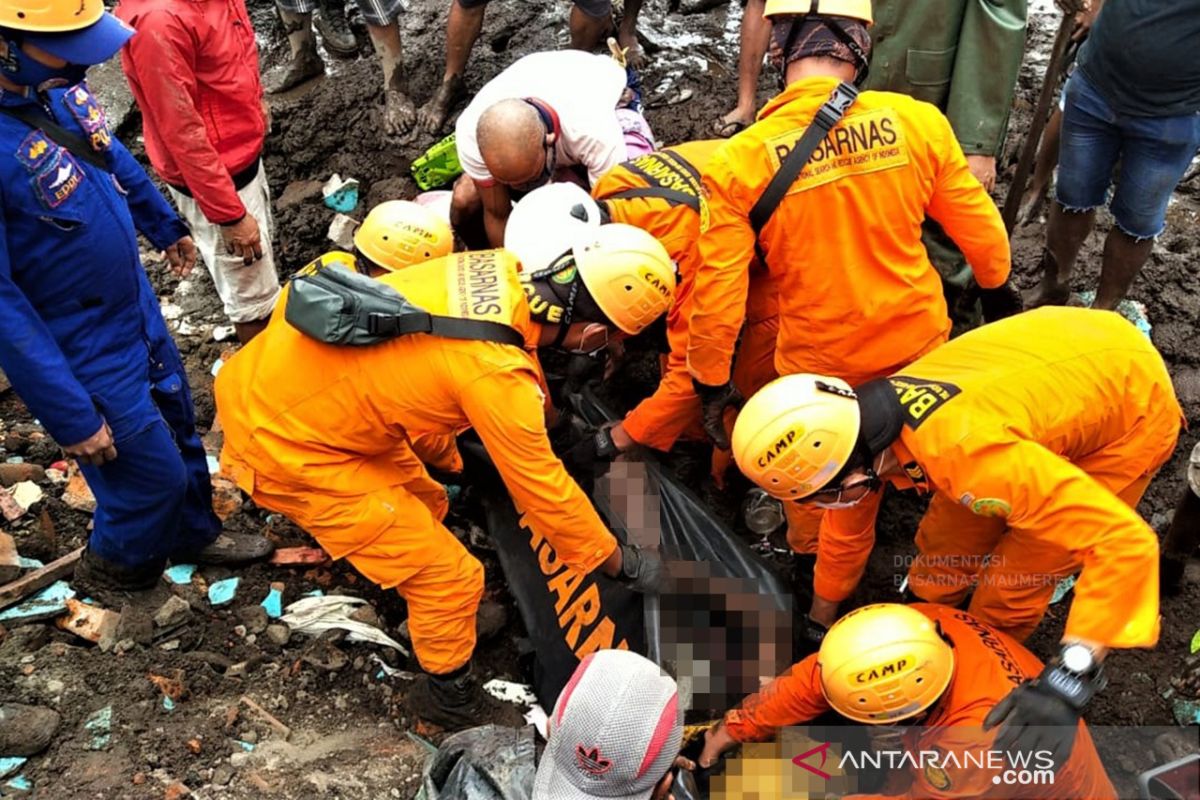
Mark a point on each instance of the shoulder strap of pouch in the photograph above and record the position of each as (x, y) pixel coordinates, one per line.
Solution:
(672, 196)
(828, 115)
(78, 146)
(448, 327)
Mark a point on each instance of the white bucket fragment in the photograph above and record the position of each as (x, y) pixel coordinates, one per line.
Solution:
(313, 616)
(341, 231)
(519, 694)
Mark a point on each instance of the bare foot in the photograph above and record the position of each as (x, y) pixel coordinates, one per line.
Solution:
(432, 115)
(732, 123)
(634, 55)
(399, 113)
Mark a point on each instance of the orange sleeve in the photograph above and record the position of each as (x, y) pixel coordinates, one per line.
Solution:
(1049, 498)
(965, 210)
(793, 698)
(844, 545)
(506, 408)
(723, 276)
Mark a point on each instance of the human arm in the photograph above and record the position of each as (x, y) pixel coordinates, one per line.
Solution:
(497, 206)
(965, 211)
(991, 45)
(163, 58)
(37, 368)
(506, 409)
(793, 698)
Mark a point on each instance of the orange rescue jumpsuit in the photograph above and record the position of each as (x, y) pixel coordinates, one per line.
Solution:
(660, 193)
(1037, 436)
(858, 297)
(322, 434)
(987, 666)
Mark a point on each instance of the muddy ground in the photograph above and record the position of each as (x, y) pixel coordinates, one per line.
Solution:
(348, 729)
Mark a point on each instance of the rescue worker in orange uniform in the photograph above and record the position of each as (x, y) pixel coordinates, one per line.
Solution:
(660, 193)
(1036, 437)
(933, 672)
(858, 296)
(321, 433)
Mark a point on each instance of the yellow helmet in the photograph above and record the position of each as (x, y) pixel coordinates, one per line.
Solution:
(400, 233)
(796, 433)
(883, 663)
(628, 273)
(50, 16)
(852, 9)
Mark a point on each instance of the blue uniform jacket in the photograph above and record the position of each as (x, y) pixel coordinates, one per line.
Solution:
(82, 332)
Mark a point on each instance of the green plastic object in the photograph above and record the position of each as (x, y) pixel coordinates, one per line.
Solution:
(438, 166)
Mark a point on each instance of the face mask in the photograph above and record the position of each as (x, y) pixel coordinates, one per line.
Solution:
(24, 70)
(841, 504)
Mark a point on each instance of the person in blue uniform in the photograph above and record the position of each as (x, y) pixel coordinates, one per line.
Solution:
(83, 341)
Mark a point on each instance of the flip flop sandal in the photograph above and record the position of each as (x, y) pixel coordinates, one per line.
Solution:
(725, 129)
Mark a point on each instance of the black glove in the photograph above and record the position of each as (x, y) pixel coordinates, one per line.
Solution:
(713, 401)
(1043, 714)
(1003, 301)
(812, 634)
(641, 570)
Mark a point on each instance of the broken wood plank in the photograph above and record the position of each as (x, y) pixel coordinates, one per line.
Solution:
(39, 578)
(10, 559)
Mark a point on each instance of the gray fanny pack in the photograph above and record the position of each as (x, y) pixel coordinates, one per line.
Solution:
(341, 307)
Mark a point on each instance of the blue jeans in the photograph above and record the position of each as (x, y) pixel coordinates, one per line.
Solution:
(1154, 153)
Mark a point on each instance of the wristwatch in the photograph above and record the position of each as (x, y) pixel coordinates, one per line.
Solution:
(606, 448)
(1076, 676)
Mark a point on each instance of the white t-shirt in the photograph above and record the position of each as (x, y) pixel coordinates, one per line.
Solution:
(582, 88)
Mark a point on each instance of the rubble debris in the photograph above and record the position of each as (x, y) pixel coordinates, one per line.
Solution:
(9, 507)
(341, 194)
(176, 790)
(223, 333)
(227, 497)
(173, 612)
(10, 559)
(324, 655)
(279, 634)
(315, 615)
(195, 745)
(19, 784)
(273, 602)
(341, 231)
(172, 686)
(89, 622)
(266, 716)
(16, 473)
(367, 615)
(519, 694)
(170, 311)
(56, 476)
(10, 765)
(77, 494)
(39, 579)
(49, 603)
(99, 725)
(299, 556)
(298, 192)
(1060, 591)
(255, 618)
(27, 493)
(180, 574)
(223, 591)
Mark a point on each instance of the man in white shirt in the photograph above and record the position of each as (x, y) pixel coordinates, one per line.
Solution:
(532, 123)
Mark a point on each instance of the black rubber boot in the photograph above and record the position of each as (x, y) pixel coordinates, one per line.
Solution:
(26, 730)
(452, 702)
(335, 30)
(229, 549)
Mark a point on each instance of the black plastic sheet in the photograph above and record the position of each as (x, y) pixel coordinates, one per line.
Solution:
(485, 763)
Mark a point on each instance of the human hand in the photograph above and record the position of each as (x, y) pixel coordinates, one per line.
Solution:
(181, 256)
(97, 449)
(716, 741)
(984, 170)
(243, 238)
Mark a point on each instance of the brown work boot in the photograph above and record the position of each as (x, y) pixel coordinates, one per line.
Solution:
(335, 30)
(26, 730)
(115, 585)
(228, 549)
(305, 65)
(451, 702)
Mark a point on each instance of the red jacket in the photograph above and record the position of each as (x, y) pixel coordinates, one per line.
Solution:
(193, 69)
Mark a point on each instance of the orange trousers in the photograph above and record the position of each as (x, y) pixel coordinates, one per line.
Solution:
(394, 536)
(1013, 574)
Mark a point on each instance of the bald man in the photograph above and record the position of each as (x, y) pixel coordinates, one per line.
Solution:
(549, 117)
